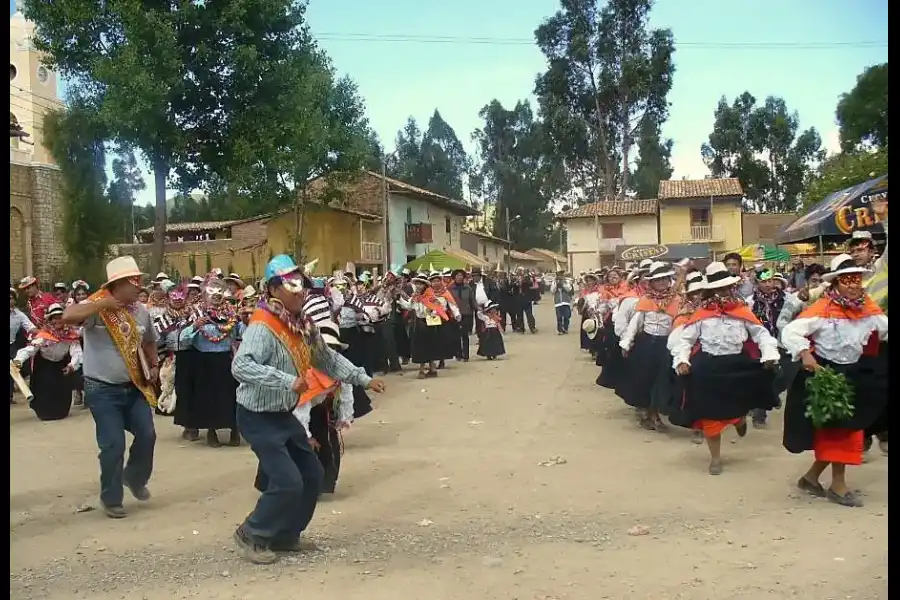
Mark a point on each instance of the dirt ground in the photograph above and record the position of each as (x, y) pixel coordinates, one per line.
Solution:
(518, 479)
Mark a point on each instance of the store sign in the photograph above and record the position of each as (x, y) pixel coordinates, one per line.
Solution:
(637, 253)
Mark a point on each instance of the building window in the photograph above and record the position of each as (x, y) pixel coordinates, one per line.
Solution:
(409, 215)
(699, 216)
(611, 230)
(447, 225)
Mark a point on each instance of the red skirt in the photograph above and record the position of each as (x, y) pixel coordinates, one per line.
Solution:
(712, 428)
(842, 446)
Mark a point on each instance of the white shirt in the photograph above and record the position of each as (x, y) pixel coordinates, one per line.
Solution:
(481, 297)
(721, 336)
(622, 314)
(52, 351)
(840, 341)
(652, 323)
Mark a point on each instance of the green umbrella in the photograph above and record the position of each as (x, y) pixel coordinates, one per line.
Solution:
(437, 259)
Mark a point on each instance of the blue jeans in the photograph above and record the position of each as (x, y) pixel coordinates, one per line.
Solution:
(117, 409)
(286, 507)
(563, 316)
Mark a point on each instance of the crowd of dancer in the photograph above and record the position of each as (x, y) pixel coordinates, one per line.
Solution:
(189, 350)
(706, 350)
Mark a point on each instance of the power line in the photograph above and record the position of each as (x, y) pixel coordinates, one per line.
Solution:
(497, 41)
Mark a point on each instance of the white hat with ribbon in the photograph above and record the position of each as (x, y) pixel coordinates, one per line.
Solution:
(122, 267)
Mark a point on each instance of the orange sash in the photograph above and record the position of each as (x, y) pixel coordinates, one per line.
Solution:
(448, 296)
(296, 347)
(826, 309)
(646, 304)
(742, 312)
(619, 291)
(319, 384)
(127, 338)
(429, 300)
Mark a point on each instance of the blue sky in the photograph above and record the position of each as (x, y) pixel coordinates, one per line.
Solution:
(808, 52)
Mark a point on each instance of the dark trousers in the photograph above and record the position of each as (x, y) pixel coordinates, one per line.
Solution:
(388, 341)
(465, 329)
(563, 317)
(285, 508)
(117, 409)
(525, 314)
(329, 451)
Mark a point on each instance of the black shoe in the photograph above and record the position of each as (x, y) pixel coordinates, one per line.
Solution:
(252, 550)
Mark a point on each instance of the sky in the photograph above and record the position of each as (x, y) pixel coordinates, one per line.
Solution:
(458, 56)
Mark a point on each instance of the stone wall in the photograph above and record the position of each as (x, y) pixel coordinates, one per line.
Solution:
(35, 219)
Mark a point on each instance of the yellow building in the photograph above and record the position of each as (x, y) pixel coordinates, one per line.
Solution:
(335, 236)
(594, 231)
(701, 211)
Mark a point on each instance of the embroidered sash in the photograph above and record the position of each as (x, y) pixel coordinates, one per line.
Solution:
(126, 337)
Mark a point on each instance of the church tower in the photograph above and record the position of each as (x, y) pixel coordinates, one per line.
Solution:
(33, 92)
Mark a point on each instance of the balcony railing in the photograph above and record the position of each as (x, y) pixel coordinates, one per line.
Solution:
(704, 233)
(372, 252)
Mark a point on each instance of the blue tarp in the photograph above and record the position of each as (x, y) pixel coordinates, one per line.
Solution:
(838, 215)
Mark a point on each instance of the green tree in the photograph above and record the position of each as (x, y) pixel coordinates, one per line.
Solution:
(843, 170)
(654, 160)
(862, 113)
(127, 182)
(514, 173)
(760, 145)
(75, 139)
(607, 73)
(434, 160)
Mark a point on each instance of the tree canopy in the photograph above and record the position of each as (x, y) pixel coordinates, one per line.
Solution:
(607, 74)
(434, 159)
(762, 146)
(231, 95)
(862, 113)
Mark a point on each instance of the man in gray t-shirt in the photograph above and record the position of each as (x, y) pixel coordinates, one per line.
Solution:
(102, 361)
(115, 402)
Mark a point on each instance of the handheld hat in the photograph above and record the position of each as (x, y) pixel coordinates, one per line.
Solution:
(843, 264)
(589, 327)
(123, 267)
(718, 276)
(659, 270)
(54, 310)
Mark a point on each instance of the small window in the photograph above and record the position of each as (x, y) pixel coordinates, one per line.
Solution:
(699, 216)
(611, 230)
(447, 225)
(409, 214)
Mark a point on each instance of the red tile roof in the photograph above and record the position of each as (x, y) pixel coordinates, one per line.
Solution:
(612, 208)
(699, 188)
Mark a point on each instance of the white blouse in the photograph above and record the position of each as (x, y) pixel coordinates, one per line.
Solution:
(840, 341)
(622, 314)
(52, 351)
(721, 336)
(489, 323)
(592, 304)
(343, 407)
(652, 323)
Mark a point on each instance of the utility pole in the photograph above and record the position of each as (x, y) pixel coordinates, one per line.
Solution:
(386, 253)
(508, 241)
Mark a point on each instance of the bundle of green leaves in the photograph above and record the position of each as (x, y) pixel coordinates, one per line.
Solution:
(829, 398)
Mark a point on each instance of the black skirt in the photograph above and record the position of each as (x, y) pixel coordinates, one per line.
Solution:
(426, 342)
(677, 413)
(355, 352)
(613, 362)
(870, 400)
(401, 335)
(451, 343)
(490, 343)
(585, 342)
(647, 376)
(52, 388)
(211, 403)
(362, 404)
(186, 376)
(600, 343)
(720, 388)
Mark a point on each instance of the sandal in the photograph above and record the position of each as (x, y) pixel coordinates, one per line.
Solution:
(848, 499)
(715, 467)
(813, 488)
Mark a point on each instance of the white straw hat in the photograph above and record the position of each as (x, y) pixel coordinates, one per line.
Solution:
(659, 270)
(695, 285)
(590, 327)
(122, 267)
(54, 310)
(718, 276)
(843, 264)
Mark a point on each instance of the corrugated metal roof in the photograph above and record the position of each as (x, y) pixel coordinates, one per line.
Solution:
(193, 227)
(521, 256)
(549, 254)
(486, 236)
(427, 195)
(612, 208)
(674, 189)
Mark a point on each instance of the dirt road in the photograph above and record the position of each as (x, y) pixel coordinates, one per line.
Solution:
(518, 479)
